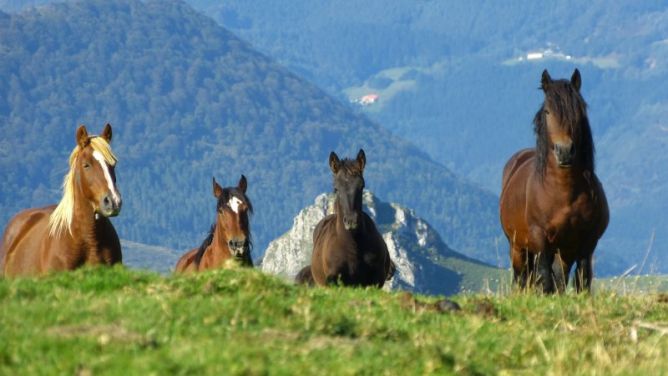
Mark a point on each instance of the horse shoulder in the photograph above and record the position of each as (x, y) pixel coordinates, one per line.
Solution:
(515, 196)
(593, 197)
(600, 198)
(375, 236)
(324, 230)
(519, 159)
(109, 245)
(317, 267)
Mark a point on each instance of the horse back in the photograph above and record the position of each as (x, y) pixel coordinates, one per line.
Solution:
(187, 262)
(305, 277)
(22, 241)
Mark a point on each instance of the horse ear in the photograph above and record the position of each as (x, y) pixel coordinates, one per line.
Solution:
(106, 133)
(82, 136)
(217, 189)
(576, 80)
(334, 162)
(545, 80)
(361, 159)
(243, 184)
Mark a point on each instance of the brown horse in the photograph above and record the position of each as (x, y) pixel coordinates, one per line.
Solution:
(229, 238)
(77, 230)
(347, 247)
(553, 209)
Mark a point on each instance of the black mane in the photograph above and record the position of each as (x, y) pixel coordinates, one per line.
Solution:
(569, 106)
(221, 205)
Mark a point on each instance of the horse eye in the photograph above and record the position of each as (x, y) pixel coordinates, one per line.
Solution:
(86, 165)
(547, 112)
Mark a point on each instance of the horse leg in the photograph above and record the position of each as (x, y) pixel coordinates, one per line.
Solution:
(544, 271)
(561, 270)
(521, 267)
(583, 274)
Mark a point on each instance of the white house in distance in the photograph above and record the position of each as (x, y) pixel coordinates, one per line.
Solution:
(367, 100)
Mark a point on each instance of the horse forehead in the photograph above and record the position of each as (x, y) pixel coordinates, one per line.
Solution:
(235, 203)
(347, 177)
(99, 157)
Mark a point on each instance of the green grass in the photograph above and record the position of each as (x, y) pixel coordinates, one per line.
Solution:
(119, 321)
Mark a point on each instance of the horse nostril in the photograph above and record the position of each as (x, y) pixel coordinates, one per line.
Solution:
(106, 201)
(237, 246)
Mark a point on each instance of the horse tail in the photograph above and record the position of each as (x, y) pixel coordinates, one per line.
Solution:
(305, 277)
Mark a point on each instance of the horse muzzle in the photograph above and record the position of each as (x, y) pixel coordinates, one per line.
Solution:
(239, 248)
(110, 205)
(565, 154)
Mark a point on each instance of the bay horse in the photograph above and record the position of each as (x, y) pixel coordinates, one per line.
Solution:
(229, 237)
(552, 207)
(77, 231)
(347, 247)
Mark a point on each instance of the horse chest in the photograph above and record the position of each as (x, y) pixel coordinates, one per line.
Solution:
(566, 222)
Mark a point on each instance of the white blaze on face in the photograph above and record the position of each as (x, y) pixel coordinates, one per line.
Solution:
(107, 176)
(234, 204)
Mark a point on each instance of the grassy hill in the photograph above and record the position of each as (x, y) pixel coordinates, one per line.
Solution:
(189, 100)
(117, 321)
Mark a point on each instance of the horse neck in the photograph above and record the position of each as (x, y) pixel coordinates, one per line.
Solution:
(338, 212)
(82, 228)
(567, 180)
(219, 247)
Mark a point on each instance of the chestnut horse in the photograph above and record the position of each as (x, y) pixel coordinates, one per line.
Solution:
(347, 247)
(77, 231)
(229, 238)
(552, 206)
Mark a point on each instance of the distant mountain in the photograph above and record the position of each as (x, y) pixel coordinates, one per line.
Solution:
(424, 263)
(144, 256)
(188, 100)
(460, 79)
(14, 6)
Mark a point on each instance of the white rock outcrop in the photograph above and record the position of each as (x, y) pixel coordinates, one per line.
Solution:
(414, 246)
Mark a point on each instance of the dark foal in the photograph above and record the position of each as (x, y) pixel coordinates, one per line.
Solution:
(347, 247)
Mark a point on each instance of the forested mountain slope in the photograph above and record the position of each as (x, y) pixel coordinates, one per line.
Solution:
(188, 100)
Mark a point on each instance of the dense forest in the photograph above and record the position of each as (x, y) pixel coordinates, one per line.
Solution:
(188, 100)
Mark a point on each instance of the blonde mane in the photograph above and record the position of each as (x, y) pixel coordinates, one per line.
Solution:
(61, 218)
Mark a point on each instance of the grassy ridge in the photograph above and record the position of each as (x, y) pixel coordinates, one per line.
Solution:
(119, 321)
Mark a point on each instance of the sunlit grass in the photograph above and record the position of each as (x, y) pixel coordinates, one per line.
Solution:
(118, 321)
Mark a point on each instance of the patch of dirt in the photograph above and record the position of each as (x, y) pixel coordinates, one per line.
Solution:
(486, 308)
(408, 301)
(104, 334)
(662, 298)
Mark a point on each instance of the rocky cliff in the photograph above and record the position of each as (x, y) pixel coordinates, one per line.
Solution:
(425, 264)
